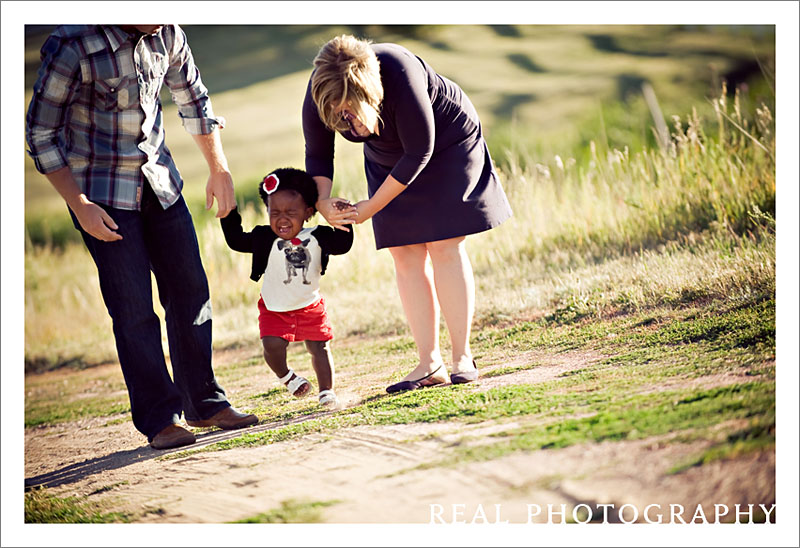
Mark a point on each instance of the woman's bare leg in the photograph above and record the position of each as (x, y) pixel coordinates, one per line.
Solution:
(455, 288)
(418, 296)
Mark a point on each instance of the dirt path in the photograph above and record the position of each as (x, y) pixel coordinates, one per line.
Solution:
(382, 474)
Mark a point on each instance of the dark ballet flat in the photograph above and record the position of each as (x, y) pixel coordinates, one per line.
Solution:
(403, 386)
(461, 378)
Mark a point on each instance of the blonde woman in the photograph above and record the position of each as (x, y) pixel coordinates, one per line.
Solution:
(430, 179)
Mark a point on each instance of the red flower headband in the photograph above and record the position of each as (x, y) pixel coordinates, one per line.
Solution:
(270, 183)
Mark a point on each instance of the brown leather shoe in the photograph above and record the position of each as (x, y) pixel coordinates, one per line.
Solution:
(227, 419)
(173, 435)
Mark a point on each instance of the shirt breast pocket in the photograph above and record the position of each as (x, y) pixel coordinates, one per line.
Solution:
(115, 94)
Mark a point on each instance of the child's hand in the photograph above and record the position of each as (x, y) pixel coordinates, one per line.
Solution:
(338, 212)
(342, 205)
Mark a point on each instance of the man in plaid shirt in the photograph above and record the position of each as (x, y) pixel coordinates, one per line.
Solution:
(95, 130)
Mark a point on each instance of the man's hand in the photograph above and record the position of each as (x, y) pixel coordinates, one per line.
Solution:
(220, 186)
(337, 215)
(220, 182)
(95, 220)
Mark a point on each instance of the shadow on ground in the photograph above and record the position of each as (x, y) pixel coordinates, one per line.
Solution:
(78, 471)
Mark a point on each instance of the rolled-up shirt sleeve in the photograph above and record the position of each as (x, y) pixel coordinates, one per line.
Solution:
(53, 93)
(187, 89)
(318, 138)
(416, 127)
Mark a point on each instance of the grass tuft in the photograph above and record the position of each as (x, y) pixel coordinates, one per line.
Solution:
(292, 511)
(41, 506)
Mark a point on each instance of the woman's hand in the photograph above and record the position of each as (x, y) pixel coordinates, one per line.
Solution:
(338, 212)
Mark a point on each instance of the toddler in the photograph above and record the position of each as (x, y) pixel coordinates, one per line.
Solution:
(291, 257)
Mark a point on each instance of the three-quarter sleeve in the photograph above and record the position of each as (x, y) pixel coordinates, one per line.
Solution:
(413, 117)
(187, 89)
(318, 138)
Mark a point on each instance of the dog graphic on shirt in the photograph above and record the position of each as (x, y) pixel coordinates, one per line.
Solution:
(297, 258)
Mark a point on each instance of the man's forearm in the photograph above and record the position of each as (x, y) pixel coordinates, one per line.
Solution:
(63, 181)
(210, 145)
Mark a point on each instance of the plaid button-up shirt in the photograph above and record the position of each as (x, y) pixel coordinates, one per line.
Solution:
(96, 109)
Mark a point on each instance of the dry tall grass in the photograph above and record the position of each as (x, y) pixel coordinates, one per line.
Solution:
(629, 230)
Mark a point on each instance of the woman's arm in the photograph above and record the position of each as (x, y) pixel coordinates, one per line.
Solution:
(319, 142)
(411, 111)
(387, 192)
(413, 117)
(337, 218)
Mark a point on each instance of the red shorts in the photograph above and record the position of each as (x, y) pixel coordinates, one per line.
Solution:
(307, 324)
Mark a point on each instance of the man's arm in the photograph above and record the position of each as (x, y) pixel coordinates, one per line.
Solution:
(53, 93)
(194, 108)
(92, 218)
(220, 181)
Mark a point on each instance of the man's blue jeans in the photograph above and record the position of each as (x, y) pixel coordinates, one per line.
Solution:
(164, 241)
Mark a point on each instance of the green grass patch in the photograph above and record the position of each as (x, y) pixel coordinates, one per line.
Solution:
(608, 414)
(276, 435)
(759, 435)
(65, 410)
(292, 511)
(641, 337)
(613, 413)
(619, 396)
(748, 326)
(640, 417)
(641, 352)
(500, 371)
(41, 506)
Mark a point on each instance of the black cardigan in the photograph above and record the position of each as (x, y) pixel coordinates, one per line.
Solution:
(259, 241)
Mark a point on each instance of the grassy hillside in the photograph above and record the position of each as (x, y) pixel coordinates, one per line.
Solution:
(631, 298)
(540, 91)
(604, 217)
(693, 222)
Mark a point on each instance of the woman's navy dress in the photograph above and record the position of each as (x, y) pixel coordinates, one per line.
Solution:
(430, 140)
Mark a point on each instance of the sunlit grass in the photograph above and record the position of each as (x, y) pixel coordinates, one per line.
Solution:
(627, 231)
(42, 506)
(640, 387)
(563, 86)
(292, 511)
(656, 265)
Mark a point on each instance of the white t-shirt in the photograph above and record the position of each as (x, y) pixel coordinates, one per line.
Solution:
(291, 280)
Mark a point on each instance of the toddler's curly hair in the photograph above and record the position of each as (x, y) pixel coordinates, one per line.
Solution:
(289, 178)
